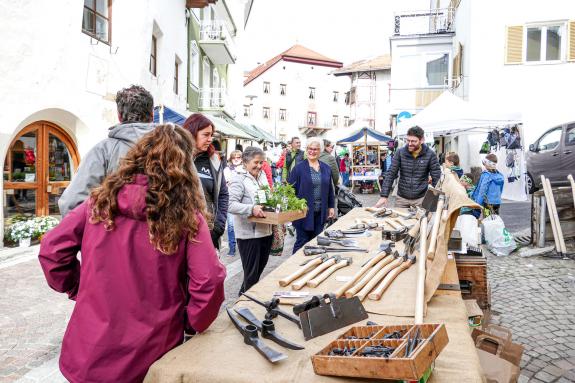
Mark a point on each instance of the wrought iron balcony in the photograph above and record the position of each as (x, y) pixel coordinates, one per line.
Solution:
(217, 42)
(434, 21)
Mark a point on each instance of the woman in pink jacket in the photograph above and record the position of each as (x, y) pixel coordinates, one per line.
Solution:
(149, 269)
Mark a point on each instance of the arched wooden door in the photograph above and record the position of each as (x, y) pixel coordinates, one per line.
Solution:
(38, 167)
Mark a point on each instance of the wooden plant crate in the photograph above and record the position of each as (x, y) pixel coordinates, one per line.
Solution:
(279, 218)
(396, 367)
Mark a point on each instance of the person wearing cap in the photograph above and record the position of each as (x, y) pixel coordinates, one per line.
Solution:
(488, 191)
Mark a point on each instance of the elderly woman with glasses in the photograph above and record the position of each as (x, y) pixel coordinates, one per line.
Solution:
(311, 180)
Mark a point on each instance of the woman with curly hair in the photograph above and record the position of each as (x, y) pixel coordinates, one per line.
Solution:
(149, 270)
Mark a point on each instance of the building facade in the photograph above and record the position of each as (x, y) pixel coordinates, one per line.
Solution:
(515, 55)
(369, 93)
(294, 94)
(60, 80)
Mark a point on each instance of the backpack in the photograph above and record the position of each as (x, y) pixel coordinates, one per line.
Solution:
(485, 148)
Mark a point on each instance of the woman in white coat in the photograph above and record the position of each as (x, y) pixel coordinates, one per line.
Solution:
(254, 240)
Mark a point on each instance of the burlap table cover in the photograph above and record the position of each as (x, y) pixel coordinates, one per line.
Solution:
(219, 354)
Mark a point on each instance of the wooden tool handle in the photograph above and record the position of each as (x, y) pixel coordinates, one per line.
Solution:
(323, 276)
(359, 274)
(393, 224)
(572, 181)
(376, 294)
(299, 272)
(420, 286)
(414, 230)
(302, 281)
(435, 229)
(374, 270)
(376, 278)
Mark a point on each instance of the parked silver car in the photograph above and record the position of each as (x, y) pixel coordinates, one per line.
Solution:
(552, 155)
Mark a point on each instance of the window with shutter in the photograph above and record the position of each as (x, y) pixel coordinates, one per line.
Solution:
(571, 48)
(514, 47)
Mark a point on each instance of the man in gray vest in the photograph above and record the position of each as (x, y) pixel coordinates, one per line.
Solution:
(136, 114)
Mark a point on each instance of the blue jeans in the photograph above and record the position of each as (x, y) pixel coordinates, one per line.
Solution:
(344, 178)
(304, 236)
(231, 234)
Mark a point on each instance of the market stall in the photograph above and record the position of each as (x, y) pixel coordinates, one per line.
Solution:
(366, 147)
(222, 354)
(466, 125)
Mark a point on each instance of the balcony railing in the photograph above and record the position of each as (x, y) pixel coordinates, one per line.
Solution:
(213, 98)
(217, 41)
(427, 22)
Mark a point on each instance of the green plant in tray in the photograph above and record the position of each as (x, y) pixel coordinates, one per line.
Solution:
(285, 197)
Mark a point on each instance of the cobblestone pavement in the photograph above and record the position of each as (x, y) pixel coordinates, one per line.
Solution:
(533, 296)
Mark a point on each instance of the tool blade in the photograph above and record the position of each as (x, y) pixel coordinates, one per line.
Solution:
(247, 314)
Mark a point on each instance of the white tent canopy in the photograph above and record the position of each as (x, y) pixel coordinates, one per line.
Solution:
(449, 114)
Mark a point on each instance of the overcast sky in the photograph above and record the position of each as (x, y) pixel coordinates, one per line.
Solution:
(331, 27)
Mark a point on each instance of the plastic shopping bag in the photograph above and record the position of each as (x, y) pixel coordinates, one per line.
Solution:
(499, 240)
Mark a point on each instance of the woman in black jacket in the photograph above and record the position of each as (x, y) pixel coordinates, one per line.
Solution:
(211, 172)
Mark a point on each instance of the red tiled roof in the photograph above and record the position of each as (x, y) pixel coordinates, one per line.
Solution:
(297, 53)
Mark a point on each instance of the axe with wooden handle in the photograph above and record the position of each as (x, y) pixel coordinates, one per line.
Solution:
(306, 266)
(376, 294)
(378, 277)
(297, 285)
(364, 269)
(374, 270)
(332, 269)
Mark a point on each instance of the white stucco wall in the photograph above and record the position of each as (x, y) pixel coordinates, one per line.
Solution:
(52, 71)
(51, 65)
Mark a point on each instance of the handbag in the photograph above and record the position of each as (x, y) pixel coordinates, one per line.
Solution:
(278, 233)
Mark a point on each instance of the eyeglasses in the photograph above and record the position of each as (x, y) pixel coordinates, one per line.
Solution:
(313, 149)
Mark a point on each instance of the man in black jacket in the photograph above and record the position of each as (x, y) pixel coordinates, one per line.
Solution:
(414, 163)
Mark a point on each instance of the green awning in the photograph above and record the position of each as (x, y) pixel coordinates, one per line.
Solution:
(228, 130)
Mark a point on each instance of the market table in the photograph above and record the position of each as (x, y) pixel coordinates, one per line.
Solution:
(219, 354)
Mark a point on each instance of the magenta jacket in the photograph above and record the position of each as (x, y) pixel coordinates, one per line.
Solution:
(130, 299)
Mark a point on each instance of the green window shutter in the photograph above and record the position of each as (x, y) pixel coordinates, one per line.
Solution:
(514, 45)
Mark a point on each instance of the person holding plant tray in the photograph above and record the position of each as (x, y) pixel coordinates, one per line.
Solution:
(247, 190)
(311, 180)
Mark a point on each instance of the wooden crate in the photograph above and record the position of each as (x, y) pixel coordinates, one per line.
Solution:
(473, 269)
(396, 367)
(279, 218)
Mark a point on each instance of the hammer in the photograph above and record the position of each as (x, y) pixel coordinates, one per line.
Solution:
(343, 262)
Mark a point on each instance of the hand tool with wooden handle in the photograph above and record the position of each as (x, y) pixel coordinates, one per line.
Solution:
(374, 270)
(301, 271)
(378, 277)
(297, 285)
(376, 294)
(364, 269)
(420, 287)
(332, 269)
(436, 224)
